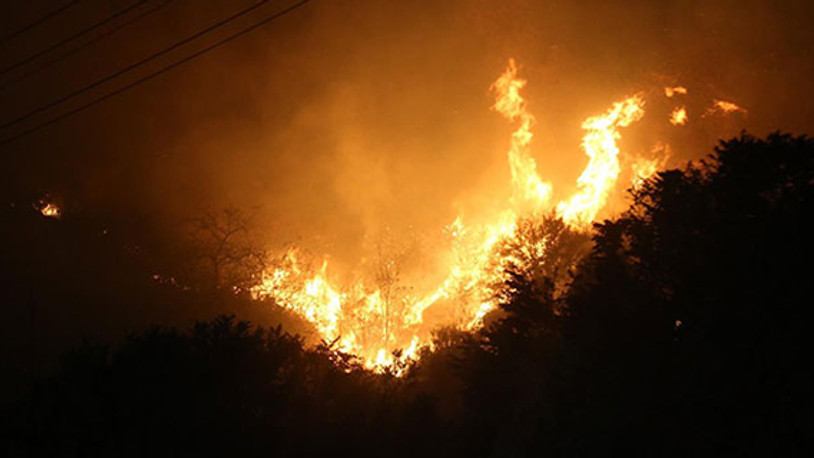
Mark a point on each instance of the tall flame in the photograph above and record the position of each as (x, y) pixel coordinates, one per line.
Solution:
(527, 185)
(599, 177)
(373, 320)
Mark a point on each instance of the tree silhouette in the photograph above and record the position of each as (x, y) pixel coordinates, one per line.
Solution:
(227, 249)
(684, 330)
(694, 299)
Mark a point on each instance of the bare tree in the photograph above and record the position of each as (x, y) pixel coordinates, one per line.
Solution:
(228, 252)
(389, 256)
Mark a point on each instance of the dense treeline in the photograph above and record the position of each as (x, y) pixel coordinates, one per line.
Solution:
(681, 331)
(98, 273)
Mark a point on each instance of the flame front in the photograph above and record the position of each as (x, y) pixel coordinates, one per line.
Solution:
(371, 321)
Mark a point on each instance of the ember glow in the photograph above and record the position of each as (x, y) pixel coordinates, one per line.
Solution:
(679, 116)
(645, 167)
(725, 107)
(49, 209)
(675, 90)
(373, 318)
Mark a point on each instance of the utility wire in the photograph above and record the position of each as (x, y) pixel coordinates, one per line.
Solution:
(124, 70)
(72, 37)
(84, 45)
(156, 73)
(38, 21)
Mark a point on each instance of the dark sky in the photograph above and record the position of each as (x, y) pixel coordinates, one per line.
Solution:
(347, 116)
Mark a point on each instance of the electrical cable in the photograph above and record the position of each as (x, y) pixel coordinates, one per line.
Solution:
(97, 38)
(155, 74)
(133, 66)
(59, 44)
(39, 21)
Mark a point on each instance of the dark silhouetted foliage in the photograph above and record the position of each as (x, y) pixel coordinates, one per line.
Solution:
(682, 331)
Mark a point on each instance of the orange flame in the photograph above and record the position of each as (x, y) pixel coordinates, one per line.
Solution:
(48, 209)
(528, 186)
(672, 91)
(644, 168)
(371, 321)
(679, 116)
(724, 107)
(603, 169)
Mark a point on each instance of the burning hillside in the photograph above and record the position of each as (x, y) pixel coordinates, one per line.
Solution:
(376, 316)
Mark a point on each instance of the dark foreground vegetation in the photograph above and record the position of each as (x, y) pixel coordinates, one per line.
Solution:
(681, 333)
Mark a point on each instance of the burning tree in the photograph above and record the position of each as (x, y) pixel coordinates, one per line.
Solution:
(372, 317)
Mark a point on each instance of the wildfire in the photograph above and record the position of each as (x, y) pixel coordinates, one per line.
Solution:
(372, 318)
(644, 168)
(528, 187)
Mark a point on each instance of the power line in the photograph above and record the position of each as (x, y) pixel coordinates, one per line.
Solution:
(84, 45)
(38, 21)
(72, 37)
(154, 74)
(109, 77)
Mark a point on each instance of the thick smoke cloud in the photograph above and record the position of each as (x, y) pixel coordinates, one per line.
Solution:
(347, 119)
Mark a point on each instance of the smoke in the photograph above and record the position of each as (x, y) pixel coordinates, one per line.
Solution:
(348, 120)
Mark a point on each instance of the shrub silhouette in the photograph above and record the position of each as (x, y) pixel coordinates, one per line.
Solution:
(683, 331)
